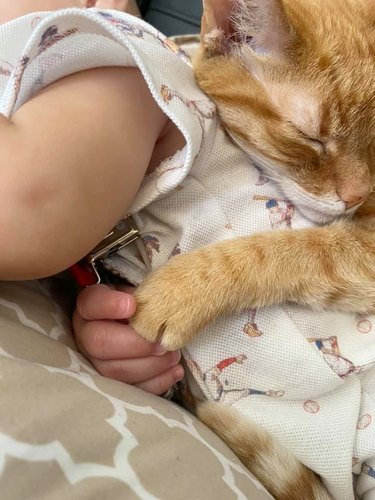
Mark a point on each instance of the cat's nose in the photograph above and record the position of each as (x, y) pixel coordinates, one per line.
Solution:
(353, 182)
(354, 198)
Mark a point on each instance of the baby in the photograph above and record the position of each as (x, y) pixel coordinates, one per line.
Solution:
(56, 202)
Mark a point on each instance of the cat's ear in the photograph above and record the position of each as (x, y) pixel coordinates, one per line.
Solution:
(261, 24)
(216, 16)
(264, 26)
(216, 26)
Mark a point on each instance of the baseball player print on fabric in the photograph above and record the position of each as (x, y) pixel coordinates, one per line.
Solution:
(203, 109)
(18, 74)
(355, 461)
(311, 406)
(6, 68)
(44, 66)
(152, 245)
(280, 211)
(134, 30)
(364, 421)
(169, 167)
(329, 348)
(121, 24)
(251, 328)
(262, 179)
(364, 325)
(49, 38)
(52, 35)
(216, 379)
(35, 21)
(176, 250)
(369, 471)
(172, 46)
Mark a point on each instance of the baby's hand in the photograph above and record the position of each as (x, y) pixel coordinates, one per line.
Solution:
(114, 348)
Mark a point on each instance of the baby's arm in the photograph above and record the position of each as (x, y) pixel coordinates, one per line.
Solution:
(72, 160)
(12, 9)
(114, 348)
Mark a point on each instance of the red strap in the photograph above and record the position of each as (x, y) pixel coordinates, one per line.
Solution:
(83, 275)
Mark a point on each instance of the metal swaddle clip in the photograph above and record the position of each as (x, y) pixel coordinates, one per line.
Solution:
(87, 271)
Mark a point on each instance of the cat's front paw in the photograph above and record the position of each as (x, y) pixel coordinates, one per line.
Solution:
(171, 304)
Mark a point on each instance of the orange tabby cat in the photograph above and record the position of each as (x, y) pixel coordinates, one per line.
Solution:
(299, 96)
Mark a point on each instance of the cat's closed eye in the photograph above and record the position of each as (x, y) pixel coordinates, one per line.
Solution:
(318, 143)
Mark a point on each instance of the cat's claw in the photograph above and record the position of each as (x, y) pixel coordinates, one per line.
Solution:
(170, 305)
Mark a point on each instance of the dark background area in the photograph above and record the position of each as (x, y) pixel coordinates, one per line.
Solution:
(173, 17)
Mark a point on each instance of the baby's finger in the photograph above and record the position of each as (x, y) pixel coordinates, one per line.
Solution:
(106, 340)
(102, 302)
(136, 371)
(161, 383)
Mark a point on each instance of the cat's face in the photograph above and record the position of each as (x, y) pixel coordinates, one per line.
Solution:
(294, 81)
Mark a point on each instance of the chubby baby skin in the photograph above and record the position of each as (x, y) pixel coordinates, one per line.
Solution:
(18, 8)
(56, 201)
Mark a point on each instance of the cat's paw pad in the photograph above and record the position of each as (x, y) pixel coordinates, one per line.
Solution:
(168, 306)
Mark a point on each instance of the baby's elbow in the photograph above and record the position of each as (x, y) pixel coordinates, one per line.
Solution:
(30, 233)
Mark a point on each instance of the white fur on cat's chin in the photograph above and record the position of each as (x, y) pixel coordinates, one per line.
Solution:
(318, 209)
